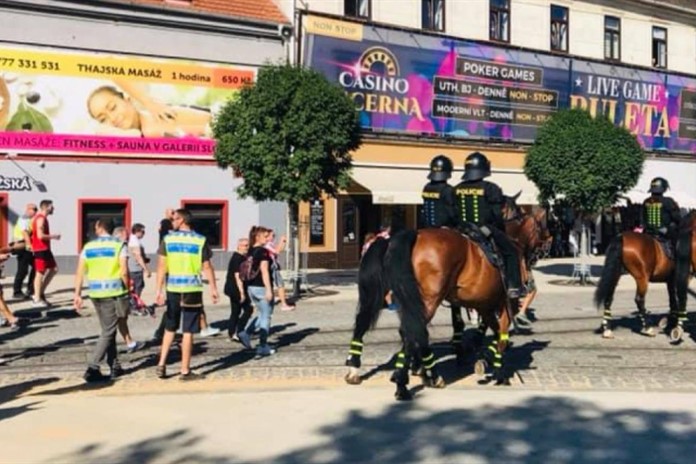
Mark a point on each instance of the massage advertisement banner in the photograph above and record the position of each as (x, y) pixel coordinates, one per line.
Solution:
(79, 103)
(424, 85)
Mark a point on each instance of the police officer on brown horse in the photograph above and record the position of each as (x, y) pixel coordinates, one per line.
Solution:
(480, 203)
(439, 199)
(661, 215)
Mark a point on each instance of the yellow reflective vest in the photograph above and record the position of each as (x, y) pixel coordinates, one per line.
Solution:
(184, 261)
(22, 225)
(102, 258)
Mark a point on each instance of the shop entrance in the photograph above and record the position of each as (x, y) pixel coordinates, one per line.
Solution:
(349, 231)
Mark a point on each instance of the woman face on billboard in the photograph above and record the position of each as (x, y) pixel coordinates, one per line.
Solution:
(109, 106)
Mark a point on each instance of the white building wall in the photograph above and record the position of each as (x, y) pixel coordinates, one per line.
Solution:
(467, 19)
(530, 24)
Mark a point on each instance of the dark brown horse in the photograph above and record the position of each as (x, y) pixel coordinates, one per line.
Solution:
(425, 268)
(645, 260)
(685, 267)
(531, 233)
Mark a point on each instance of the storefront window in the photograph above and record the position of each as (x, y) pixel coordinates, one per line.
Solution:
(349, 218)
(91, 210)
(210, 220)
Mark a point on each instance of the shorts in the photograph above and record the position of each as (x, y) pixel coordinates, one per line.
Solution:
(186, 317)
(44, 260)
(277, 279)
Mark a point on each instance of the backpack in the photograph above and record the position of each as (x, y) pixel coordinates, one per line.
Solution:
(246, 270)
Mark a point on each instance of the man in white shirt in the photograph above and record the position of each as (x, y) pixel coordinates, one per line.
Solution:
(137, 262)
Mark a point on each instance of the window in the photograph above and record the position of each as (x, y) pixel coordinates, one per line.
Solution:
(357, 8)
(500, 20)
(559, 28)
(659, 47)
(612, 38)
(210, 220)
(90, 210)
(433, 15)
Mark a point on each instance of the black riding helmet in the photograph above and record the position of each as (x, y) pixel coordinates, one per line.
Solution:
(440, 168)
(658, 186)
(476, 167)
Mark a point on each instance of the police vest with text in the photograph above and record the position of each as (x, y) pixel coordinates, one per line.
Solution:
(184, 261)
(657, 215)
(103, 268)
(473, 204)
(435, 211)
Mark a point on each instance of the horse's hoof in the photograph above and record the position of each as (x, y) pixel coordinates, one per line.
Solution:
(402, 394)
(648, 331)
(676, 334)
(607, 333)
(502, 382)
(480, 367)
(353, 377)
(418, 372)
(664, 322)
(439, 382)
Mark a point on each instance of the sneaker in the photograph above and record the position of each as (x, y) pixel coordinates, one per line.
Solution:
(244, 339)
(264, 350)
(94, 375)
(209, 332)
(117, 371)
(4, 322)
(15, 327)
(135, 346)
(287, 308)
(191, 376)
(39, 304)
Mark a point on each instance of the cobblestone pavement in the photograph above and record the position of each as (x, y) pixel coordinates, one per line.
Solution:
(562, 353)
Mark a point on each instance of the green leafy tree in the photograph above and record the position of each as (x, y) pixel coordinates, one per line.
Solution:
(289, 135)
(587, 161)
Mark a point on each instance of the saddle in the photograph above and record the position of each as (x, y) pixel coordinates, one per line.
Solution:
(474, 233)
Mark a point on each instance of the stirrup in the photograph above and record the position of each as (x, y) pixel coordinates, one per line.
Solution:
(513, 293)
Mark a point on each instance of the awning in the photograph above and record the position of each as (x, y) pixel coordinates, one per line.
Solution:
(404, 185)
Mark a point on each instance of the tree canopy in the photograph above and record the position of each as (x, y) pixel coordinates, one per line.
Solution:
(588, 161)
(289, 135)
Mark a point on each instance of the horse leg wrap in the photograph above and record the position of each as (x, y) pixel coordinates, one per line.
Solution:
(400, 360)
(354, 354)
(606, 319)
(681, 320)
(429, 361)
(497, 360)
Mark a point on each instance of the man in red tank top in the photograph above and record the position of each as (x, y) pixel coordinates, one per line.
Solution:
(44, 262)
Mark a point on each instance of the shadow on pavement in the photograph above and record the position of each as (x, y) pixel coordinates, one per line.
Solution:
(565, 270)
(541, 429)
(10, 392)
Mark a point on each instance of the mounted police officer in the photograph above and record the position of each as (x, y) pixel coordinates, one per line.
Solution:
(661, 214)
(439, 199)
(480, 203)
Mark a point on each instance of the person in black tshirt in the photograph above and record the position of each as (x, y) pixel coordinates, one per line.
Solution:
(235, 289)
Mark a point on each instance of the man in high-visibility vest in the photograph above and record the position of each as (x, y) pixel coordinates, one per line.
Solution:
(104, 262)
(183, 256)
(25, 257)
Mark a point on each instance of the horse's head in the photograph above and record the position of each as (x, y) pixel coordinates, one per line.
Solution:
(511, 210)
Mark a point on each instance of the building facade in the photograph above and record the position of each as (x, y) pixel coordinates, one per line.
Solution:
(439, 76)
(105, 108)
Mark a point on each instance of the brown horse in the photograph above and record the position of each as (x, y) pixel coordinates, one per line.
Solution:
(685, 267)
(425, 268)
(531, 233)
(644, 258)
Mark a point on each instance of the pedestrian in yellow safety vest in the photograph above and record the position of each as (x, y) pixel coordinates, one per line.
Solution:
(183, 256)
(104, 262)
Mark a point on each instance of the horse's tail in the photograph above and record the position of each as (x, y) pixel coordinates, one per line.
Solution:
(372, 285)
(402, 281)
(682, 269)
(611, 272)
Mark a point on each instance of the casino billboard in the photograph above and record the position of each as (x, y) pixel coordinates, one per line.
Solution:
(408, 83)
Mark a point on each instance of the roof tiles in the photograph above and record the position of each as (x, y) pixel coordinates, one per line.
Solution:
(263, 10)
